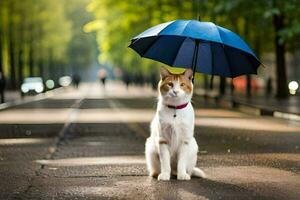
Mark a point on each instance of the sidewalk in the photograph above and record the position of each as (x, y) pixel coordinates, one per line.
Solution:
(13, 98)
(95, 90)
(267, 106)
(12, 95)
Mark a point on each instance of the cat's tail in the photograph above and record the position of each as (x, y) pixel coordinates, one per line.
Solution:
(198, 173)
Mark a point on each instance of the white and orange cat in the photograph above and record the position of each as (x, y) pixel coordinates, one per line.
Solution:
(172, 148)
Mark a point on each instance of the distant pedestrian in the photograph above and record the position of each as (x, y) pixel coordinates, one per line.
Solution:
(269, 87)
(2, 87)
(102, 74)
(126, 79)
(76, 80)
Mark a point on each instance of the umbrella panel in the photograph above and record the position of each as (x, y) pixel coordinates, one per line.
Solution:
(213, 58)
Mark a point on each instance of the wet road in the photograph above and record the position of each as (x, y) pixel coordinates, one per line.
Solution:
(89, 144)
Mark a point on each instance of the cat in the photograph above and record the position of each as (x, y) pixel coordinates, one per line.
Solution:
(171, 147)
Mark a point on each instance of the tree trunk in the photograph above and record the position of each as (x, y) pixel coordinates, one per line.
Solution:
(281, 77)
(41, 69)
(194, 9)
(2, 88)
(1, 63)
(257, 45)
(12, 62)
(248, 77)
(222, 86)
(20, 50)
(31, 62)
(21, 65)
(206, 84)
(248, 84)
(231, 87)
(51, 66)
(211, 86)
(21, 59)
(12, 50)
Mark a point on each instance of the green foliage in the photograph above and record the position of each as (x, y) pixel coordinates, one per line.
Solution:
(44, 38)
(120, 20)
(31, 30)
(81, 49)
(290, 11)
(39, 35)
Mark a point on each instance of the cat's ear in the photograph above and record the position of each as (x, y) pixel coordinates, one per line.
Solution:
(164, 72)
(188, 73)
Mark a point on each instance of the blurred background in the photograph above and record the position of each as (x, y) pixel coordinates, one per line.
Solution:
(48, 44)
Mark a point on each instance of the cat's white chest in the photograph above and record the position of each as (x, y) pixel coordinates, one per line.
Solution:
(176, 125)
(177, 117)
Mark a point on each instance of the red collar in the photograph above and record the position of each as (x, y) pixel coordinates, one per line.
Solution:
(179, 106)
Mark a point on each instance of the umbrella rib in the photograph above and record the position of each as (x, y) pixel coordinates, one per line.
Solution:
(212, 58)
(174, 59)
(183, 29)
(195, 58)
(212, 65)
(159, 42)
(251, 61)
(134, 41)
(219, 34)
(145, 50)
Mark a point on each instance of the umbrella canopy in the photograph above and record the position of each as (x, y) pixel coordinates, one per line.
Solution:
(202, 46)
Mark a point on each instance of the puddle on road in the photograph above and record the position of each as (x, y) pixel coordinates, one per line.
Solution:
(263, 124)
(241, 182)
(85, 161)
(252, 174)
(20, 141)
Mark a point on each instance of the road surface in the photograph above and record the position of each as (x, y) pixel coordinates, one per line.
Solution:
(89, 144)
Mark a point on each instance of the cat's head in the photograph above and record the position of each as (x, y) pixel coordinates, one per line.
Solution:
(175, 88)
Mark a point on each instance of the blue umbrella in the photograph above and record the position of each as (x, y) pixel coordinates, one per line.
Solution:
(202, 46)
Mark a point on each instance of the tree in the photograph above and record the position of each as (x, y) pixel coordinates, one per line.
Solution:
(28, 29)
(266, 25)
(119, 21)
(81, 49)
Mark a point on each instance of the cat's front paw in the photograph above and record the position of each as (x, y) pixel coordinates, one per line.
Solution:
(153, 174)
(163, 177)
(184, 176)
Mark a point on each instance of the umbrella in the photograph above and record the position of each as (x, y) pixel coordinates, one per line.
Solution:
(202, 46)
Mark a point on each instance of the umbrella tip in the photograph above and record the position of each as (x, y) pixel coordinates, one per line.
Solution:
(262, 64)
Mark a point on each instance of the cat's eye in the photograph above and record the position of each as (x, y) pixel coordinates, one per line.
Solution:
(182, 84)
(170, 84)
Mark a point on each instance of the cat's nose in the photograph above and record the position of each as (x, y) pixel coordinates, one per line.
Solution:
(175, 92)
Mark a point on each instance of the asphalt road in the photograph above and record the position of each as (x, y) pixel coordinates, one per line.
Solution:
(89, 144)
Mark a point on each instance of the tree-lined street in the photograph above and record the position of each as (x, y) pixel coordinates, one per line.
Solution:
(78, 90)
(89, 143)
